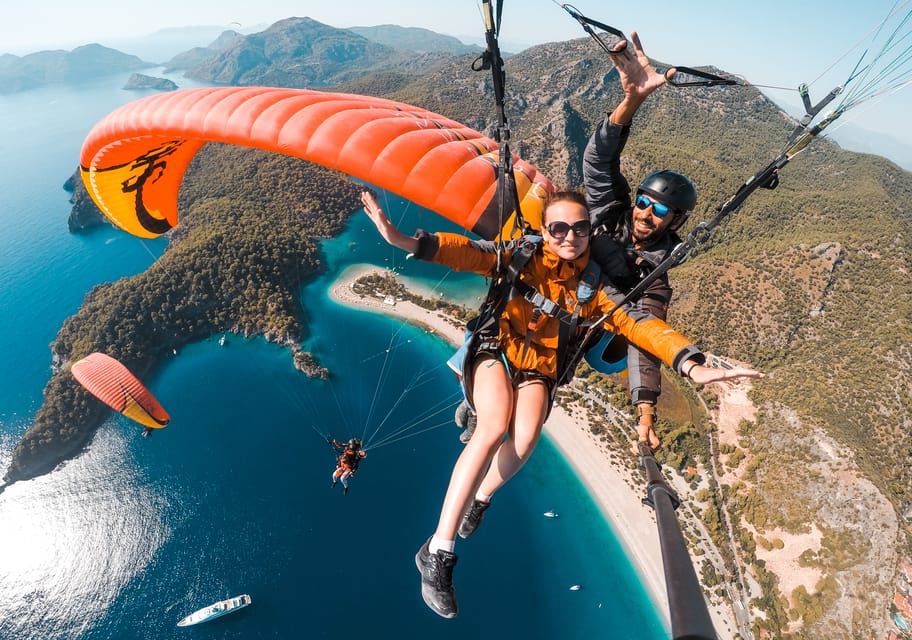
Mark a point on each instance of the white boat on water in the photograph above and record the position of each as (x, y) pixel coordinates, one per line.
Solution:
(551, 514)
(216, 610)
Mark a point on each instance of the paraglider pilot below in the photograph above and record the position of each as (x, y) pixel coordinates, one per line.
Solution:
(512, 380)
(348, 461)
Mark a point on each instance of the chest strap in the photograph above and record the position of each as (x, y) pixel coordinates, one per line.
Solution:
(569, 320)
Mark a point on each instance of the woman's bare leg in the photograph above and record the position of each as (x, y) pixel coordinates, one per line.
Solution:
(529, 413)
(493, 399)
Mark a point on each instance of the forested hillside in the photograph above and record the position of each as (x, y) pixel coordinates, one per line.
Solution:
(811, 280)
(251, 223)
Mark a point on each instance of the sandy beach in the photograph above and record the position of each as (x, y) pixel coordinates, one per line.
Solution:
(615, 488)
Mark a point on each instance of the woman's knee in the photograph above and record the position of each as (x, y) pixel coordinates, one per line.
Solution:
(489, 431)
(532, 401)
(525, 445)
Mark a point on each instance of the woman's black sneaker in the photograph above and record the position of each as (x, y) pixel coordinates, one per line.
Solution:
(472, 518)
(437, 579)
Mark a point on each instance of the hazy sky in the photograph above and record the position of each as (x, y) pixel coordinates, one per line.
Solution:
(776, 42)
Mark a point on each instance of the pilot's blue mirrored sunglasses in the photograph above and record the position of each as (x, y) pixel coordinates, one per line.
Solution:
(659, 210)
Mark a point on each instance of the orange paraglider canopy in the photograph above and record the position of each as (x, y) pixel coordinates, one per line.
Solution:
(133, 160)
(112, 383)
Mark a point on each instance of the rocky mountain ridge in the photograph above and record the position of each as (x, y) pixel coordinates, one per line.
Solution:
(295, 52)
(300, 52)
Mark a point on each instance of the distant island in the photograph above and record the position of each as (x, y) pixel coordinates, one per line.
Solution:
(82, 64)
(138, 81)
(197, 289)
(294, 52)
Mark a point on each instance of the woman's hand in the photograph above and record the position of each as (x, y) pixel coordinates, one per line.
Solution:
(704, 375)
(386, 228)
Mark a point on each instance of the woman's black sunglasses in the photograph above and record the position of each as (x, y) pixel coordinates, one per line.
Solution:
(559, 230)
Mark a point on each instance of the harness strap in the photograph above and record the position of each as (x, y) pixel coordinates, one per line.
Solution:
(542, 304)
(565, 333)
(531, 327)
(491, 59)
(569, 321)
(501, 289)
(483, 332)
(507, 286)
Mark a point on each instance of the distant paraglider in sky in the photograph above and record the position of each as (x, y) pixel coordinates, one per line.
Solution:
(112, 383)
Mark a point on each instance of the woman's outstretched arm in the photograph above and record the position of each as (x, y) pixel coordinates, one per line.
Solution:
(386, 228)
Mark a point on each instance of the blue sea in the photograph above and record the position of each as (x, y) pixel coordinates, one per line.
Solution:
(234, 495)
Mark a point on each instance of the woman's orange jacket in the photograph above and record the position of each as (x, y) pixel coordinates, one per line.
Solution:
(557, 280)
